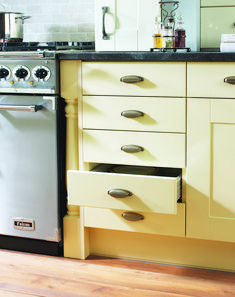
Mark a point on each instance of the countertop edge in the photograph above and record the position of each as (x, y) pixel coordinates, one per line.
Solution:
(147, 56)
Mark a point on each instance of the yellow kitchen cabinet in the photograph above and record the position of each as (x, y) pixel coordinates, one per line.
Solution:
(97, 223)
(211, 158)
(150, 133)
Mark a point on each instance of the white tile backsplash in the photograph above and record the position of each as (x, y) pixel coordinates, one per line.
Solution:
(55, 20)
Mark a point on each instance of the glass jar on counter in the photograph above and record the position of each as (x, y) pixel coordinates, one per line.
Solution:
(180, 33)
(168, 34)
(168, 37)
(157, 36)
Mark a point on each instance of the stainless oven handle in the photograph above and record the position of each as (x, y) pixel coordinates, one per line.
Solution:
(32, 108)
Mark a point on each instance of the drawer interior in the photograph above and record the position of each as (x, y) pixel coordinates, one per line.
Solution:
(145, 171)
(154, 192)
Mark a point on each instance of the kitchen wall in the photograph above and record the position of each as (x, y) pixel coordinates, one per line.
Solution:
(55, 20)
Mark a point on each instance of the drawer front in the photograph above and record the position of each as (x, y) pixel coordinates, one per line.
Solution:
(214, 22)
(159, 78)
(147, 193)
(162, 224)
(206, 79)
(156, 149)
(149, 114)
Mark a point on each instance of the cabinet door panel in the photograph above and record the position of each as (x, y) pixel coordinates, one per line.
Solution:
(222, 202)
(210, 175)
(127, 27)
(214, 22)
(223, 111)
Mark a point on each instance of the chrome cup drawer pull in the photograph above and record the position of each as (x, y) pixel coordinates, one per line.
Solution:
(131, 114)
(119, 193)
(132, 216)
(132, 148)
(130, 79)
(230, 80)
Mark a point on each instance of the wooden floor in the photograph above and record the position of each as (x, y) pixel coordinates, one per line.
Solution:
(23, 274)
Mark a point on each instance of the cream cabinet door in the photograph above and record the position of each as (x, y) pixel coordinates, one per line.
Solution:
(211, 169)
(214, 22)
(129, 24)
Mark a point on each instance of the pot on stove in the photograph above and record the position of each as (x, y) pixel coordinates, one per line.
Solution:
(11, 26)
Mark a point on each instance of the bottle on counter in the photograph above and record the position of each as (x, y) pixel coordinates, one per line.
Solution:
(180, 33)
(168, 34)
(157, 36)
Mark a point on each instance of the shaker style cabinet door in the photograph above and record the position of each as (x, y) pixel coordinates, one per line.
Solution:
(211, 174)
(124, 24)
(214, 22)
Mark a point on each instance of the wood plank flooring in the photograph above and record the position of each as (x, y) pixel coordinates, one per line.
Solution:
(28, 275)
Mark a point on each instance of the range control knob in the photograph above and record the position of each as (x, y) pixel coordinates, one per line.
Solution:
(41, 73)
(4, 72)
(21, 72)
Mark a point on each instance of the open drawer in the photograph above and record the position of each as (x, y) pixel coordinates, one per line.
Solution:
(157, 193)
(152, 223)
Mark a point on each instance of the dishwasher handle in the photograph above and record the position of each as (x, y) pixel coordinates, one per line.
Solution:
(10, 107)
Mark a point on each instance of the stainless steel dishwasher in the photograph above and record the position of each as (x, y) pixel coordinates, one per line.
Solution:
(32, 191)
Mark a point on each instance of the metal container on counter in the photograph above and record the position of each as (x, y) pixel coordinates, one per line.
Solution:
(11, 26)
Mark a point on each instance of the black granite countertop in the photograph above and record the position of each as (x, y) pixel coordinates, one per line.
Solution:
(146, 56)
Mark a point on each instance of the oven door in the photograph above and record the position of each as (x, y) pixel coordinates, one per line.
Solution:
(28, 167)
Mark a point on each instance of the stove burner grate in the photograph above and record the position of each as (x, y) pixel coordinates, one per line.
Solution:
(53, 45)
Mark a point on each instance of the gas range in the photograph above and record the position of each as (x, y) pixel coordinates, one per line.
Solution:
(32, 67)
